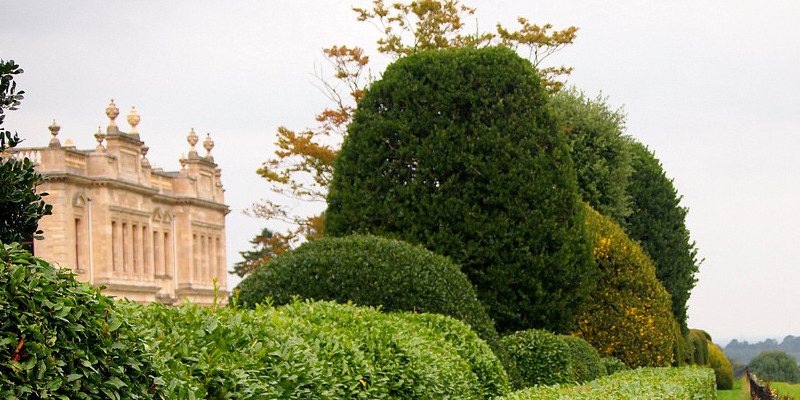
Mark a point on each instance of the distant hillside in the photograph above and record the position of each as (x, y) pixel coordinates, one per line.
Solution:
(744, 351)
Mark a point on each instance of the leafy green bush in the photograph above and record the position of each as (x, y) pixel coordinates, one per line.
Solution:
(722, 367)
(369, 271)
(600, 149)
(456, 150)
(628, 315)
(612, 365)
(60, 338)
(686, 383)
(586, 365)
(316, 350)
(775, 366)
(20, 206)
(542, 358)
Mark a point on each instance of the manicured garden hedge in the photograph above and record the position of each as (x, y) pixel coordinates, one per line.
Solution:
(686, 383)
(542, 358)
(369, 271)
(320, 350)
(62, 339)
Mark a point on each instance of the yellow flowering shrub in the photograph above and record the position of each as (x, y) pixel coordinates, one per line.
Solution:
(629, 314)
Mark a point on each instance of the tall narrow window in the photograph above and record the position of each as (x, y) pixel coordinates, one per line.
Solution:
(145, 251)
(218, 266)
(78, 239)
(196, 264)
(158, 255)
(135, 245)
(167, 255)
(114, 249)
(125, 251)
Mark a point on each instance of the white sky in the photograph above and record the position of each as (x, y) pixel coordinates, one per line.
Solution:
(711, 86)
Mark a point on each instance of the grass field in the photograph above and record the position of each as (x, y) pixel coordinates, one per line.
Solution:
(786, 389)
(739, 392)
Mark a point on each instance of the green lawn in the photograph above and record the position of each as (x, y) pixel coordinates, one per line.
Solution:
(786, 389)
(740, 391)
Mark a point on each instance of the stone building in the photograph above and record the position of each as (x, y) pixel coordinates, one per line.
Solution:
(143, 233)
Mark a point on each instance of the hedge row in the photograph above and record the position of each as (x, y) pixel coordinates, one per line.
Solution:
(686, 383)
(316, 350)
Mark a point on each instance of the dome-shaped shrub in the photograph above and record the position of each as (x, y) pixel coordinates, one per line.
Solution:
(722, 367)
(457, 150)
(60, 338)
(586, 365)
(629, 314)
(369, 271)
(542, 358)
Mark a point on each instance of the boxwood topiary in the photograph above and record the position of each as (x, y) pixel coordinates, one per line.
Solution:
(62, 339)
(369, 271)
(612, 365)
(542, 358)
(586, 364)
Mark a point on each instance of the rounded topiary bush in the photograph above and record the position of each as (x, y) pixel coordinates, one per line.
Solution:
(586, 365)
(629, 314)
(612, 365)
(369, 271)
(722, 367)
(60, 338)
(457, 150)
(699, 341)
(542, 358)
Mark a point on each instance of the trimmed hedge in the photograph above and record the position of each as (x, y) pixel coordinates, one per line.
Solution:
(542, 358)
(62, 339)
(369, 271)
(722, 367)
(685, 383)
(586, 364)
(612, 365)
(457, 150)
(629, 314)
(316, 350)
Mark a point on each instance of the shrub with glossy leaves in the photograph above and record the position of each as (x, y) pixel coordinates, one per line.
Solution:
(722, 367)
(369, 271)
(457, 150)
(541, 357)
(316, 350)
(62, 339)
(629, 314)
(612, 365)
(586, 365)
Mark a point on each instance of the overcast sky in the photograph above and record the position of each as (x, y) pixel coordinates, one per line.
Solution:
(711, 86)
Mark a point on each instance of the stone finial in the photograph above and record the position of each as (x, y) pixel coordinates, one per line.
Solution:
(100, 137)
(192, 139)
(133, 120)
(54, 143)
(208, 144)
(183, 162)
(112, 112)
(145, 149)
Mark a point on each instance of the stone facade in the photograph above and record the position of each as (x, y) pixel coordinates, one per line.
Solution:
(143, 233)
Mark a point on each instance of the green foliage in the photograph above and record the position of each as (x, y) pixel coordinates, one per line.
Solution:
(599, 149)
(722, 367)
(316, 350)
(612, 365)
(644, 383)
(738, 367)
(542, 358)
(457, 151)
(586, 364)
(658, 222)
(699, 345)
(369, 271)
(62, 339)
(20, 206)
(775, 366)
(628, 314)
